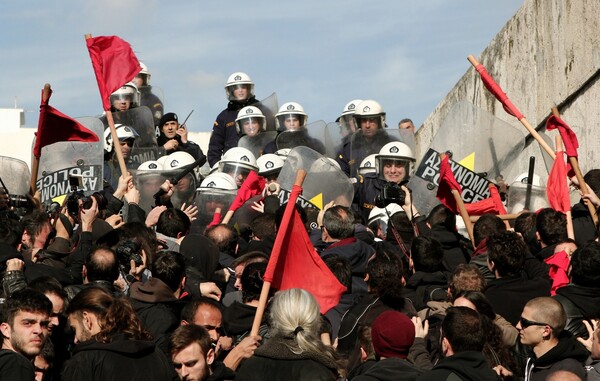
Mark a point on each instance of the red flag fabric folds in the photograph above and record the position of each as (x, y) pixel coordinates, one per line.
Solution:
(497, 92)
(252, 186)
(114, 64)
(54, 126)
(557, 188)
(447, 183)
(294, 263)
(566, 133)
(491, 205)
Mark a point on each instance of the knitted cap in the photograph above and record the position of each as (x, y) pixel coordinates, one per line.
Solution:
(392, 333)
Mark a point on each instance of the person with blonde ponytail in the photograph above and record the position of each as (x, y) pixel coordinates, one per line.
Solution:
(294, 351)
(111, 343)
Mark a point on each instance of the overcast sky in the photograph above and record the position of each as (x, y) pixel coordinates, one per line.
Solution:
(405, 54)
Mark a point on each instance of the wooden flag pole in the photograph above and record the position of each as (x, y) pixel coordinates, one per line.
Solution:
(464, 214)
(582, 185)
(113, 134)
(570, 231)
(503, 217)
(264, 293)
(524, 122)
(35, 165)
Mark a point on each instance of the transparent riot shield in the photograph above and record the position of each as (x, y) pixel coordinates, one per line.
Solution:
(153, 98)
(15, 177)
(324, 182)
(209, 199)
(256, 144)
(364, 144)
(269, 107)
(148, 182)
(141, 120)
(312, 137)
(335, 136)
(483, 149)
(61, 160)
(518, 194)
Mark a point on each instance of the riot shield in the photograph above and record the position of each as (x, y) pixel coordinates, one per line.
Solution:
(483, 149)
(312, 137)
(256, 144)
(63, 159)
(141, 120)
(148, 182)
(362, 145)
(324, 182)
(153, 97)
(518, 194)
(15, 177)
(268, 107)
(209, 199)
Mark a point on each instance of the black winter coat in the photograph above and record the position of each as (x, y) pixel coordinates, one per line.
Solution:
(468, 366)
(392, 369)
(121, 359)
(568, 355)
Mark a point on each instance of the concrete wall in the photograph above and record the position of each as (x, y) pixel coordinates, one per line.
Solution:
(547, 54)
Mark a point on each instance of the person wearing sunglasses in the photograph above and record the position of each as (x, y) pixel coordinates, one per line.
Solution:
(541, 327)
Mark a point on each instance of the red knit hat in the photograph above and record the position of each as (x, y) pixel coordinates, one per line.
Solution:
(392, 333)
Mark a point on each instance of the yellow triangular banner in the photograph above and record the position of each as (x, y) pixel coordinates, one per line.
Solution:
(468, 162)
(317, 201)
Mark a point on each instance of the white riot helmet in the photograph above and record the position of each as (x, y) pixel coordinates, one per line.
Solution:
(237, 163)
(123, 133)
(150, 165)
(218, 180)
(245, 121)
(239, 79)
(395, 154)
(367, 165)
(144, 74)
(269, 164)
(178, 159)
(369, 109)
(522, 178)
(291, 110)
(334, 163)
(347, 118)
(283, 152)
(128, 92)
(379, 217)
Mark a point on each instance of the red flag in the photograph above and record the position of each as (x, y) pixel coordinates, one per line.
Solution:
(251, 187)
(215, 221)
(54, 126)
(557, 188)
(294, 263)
(566, 133)
(447, 183)
(497, 92)
(491, 205)
(114, 64)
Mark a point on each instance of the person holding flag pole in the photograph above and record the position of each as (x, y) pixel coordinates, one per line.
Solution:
(114, 64)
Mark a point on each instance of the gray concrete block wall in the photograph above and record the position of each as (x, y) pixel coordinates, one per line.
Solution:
(547, 54)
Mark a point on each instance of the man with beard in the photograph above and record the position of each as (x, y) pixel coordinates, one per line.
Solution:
(192, 354)
(24, 327)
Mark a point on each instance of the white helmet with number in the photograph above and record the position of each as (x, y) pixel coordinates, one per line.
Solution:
(290, 110)
(123, 133)
(368, 165)
(398, 154)
(369, 109)
(246, 116)
(237, 163)
(218, 180)
(239, 79)
(269, 164)
(128, 92)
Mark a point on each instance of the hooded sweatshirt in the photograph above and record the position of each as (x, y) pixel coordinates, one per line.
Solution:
(468, 366)
(568, 355)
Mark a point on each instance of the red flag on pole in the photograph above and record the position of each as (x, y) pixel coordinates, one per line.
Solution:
(54, 126)
(491, 205)
(566, 134)
(114, 64)
(294, 263)
(557, 188)
(252, 186)
(497, 92)
(447, 183)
